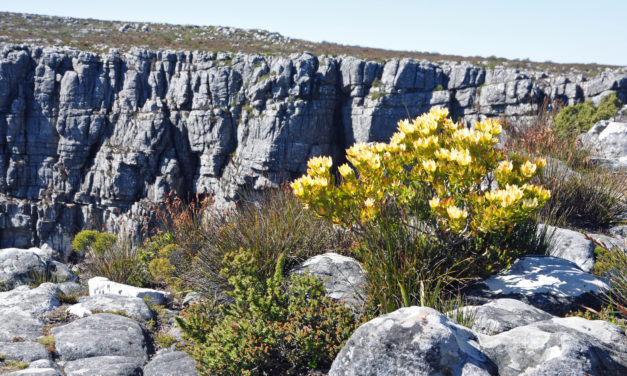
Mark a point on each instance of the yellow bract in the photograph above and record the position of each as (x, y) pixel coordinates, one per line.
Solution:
(430, 161)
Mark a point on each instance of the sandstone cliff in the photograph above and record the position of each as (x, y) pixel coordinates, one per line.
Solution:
(88, 139)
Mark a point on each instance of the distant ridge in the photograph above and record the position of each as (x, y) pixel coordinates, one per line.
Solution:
(100, 36)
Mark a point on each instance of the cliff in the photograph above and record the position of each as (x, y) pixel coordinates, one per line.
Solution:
(94, 140)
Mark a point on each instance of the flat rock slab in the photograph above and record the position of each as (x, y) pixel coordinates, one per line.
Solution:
(103, 334)
(571, 245)
(102, 285)
(131, 306)
(343, 277)
(549, 283)
(16, 323)
(167, 363)
(26, 351)
(105, 366)
(37, 372)
(412, 341)
(560, 346)
(33, 300)
(504, 314)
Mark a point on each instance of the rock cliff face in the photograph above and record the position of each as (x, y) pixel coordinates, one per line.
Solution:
(94, 140)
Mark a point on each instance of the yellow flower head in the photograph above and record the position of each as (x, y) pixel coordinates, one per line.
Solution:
(505, 167)
(528, 169)
(540, 162)
(456, 213)
(434, 202)
(429, 165)
(369, 203)
(346, 170)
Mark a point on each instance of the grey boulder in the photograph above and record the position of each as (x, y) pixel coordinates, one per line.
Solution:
(102, 334)
(549, 283)
(25, 351)
(570, 245)
(131, 306)
(171, 363)
(105, 366)
(16, 323)
(560, 346)
(20, 266)
(37, 372)
(608, 141)
(342, 276)
(41, 299)
(501, 315)
(412, 341)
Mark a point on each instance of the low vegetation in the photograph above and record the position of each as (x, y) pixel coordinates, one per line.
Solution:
(583, 194)
(572, 120)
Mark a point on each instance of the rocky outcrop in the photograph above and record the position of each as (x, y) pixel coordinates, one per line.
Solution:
(421, 341)
(89, 140)
(608, 140)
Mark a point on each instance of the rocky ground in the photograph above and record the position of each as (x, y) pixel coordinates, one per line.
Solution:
(99, 327)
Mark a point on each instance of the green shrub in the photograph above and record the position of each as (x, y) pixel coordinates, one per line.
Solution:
(572, 120)
(270, 328)
(107, 255)
(268, 224)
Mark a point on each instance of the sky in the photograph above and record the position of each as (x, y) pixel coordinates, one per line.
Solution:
(573, 31)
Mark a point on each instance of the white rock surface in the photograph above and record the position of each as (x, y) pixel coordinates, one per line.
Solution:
(102, 285)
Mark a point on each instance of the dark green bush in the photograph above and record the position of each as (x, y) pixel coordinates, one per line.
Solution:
(572, 120)
(270, 328)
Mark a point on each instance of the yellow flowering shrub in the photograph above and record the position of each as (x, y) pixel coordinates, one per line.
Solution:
(454, 174)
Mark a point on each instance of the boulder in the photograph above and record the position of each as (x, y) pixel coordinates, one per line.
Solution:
(99, 335)
(105, 366)
(501, 315)
(549, 283)
(572, 346)
(342, 276)
(102, 285)
(33, 300)
(608, 140)
(412, 341)
(570, 245)
(21, 266)
(16, 323)
(25, 351)
(167, 363)
(131, 306)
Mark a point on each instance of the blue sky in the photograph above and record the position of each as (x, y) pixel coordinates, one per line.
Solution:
(560, 31)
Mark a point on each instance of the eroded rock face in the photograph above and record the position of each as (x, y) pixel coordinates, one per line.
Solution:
(412, 341)
(131, 306)
(608, 140)
(95, 140)
(103, 286)
(167, 363)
